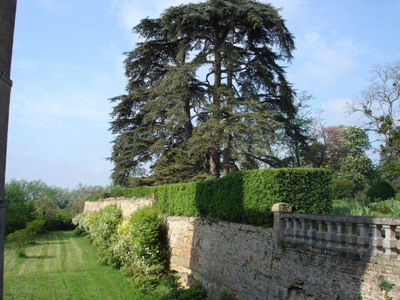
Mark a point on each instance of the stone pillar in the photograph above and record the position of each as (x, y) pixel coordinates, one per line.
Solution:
(279, 225)
(7, 22)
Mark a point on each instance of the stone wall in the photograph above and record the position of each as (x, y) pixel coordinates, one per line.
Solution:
(128, 206)
(247, 262)
(304, 257)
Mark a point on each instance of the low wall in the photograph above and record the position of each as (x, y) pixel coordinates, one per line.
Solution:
(249, 263)
(128, 206)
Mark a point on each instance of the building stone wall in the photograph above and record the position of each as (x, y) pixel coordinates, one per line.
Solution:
(128, 206)
(247, 262)
(277, 263)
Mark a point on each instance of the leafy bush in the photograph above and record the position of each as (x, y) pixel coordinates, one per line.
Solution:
(381, 190)
(80, 221)
(194, 292)
(102, 226)
(141, 250)
(21, 237)
(343, 188)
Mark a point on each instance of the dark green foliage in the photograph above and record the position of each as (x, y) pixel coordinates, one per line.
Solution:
(191, 125)
(139, 192)
(248, 196)
(380, 190)
(343, 188)
(178, 199)
(194, 292)
(385, 285)
(245, 196)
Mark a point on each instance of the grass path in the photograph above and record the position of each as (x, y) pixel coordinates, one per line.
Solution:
(61, 266)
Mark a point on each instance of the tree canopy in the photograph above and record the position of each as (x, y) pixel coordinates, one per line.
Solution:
(206, 92)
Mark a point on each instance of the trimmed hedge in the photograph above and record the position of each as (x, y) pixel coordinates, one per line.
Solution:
(245, 196)
(248, 196)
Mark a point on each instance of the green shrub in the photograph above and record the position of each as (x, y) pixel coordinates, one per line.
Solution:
(102, 226)
(343, 188)
(138, 247)
(80, 221)
(35, 227)
(21, 237)
(380, 190)
(194, 292)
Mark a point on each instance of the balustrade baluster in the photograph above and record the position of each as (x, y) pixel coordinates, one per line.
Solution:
(303, 230)
(312, 233)
(296, 231)
(363, 238)
(351, 236)
(321, 234)
(330, 235)
(340, 235)
(376, 238)
(390, 241)
(288, 230)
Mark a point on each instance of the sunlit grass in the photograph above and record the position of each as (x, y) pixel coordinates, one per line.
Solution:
(60, 265)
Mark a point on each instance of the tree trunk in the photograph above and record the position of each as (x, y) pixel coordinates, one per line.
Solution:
(188, 127)
(215, 164)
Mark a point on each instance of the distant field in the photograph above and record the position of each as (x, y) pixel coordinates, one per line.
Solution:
(60, 266)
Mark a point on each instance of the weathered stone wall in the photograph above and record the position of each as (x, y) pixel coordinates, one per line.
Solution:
(247, 262)
(251, 262)
(128, 206)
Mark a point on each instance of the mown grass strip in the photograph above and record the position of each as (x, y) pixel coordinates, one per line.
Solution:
(60, 265)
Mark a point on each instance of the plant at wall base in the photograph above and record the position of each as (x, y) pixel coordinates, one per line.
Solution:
(385, 287)
(101, 227)
(194, 292)
(140, 250)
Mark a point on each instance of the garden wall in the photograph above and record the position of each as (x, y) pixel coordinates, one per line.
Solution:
(128, 206)
(304, 257)
(247, 261)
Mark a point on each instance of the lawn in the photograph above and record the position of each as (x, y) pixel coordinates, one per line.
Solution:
(61, 265)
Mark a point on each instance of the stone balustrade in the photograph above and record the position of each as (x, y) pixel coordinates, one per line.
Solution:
(370, 235)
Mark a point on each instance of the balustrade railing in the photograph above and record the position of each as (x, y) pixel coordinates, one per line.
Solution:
(372, 235)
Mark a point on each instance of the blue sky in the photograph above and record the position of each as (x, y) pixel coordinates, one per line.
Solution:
(67, 63)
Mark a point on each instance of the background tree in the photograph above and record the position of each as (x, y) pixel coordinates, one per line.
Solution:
(356, 166)
(29, 200)
(380, 104)
(205, 91)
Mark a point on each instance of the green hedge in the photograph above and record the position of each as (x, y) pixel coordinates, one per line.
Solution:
(243, 197)
(248, 196)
